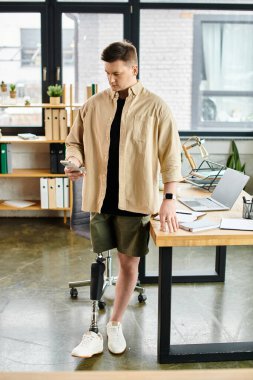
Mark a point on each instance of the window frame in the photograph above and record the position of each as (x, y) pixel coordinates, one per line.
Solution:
(51, 26)
(197, 94)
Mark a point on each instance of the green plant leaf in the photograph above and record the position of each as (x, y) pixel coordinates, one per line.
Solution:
(234, 161)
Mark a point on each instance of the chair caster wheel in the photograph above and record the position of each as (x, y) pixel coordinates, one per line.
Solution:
(73, 293)
(101, 305)
(142, 298)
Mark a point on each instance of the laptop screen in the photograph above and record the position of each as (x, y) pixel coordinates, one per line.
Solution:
(229, 187)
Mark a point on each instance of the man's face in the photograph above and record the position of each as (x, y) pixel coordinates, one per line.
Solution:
(121, 75)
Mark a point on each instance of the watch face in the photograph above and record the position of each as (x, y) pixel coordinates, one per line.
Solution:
(168, 196)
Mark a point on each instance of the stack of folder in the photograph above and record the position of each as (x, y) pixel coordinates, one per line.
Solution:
(54, 193)
(5, 158)
(56, 124)
(91, 90)
(57, 153)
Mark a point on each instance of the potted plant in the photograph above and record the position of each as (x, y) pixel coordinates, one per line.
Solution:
(234, 161)
(27, 100)
(55, 93)
(12, 91)
(3, 86)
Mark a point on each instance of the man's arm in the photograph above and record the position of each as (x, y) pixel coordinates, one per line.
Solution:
(167, 211)
(71, 173)
(74, 147)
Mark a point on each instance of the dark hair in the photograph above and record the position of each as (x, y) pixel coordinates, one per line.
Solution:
(124, 51)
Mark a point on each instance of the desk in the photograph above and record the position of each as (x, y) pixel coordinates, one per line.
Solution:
(201, 374)
(168, 353)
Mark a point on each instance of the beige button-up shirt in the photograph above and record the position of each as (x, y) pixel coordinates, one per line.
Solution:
(149, 142)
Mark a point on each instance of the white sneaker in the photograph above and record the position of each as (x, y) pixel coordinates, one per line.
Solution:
(116, 340)
(90, 345)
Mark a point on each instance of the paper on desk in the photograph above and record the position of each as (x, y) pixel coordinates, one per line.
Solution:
(18, 203)
(185, 216)
(237, 224)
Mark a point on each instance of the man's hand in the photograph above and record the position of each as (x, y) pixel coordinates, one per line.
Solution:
(168, 215)
(71, 173)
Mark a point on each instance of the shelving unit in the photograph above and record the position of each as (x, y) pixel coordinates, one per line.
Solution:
(40, 172)
(32, 173)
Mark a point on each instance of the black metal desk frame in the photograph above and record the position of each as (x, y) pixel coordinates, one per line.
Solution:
(168, 353)
(218, 275)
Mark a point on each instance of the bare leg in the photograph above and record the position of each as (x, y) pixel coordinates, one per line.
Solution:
(127, 278)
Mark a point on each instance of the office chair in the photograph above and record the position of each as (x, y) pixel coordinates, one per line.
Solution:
(80, 224)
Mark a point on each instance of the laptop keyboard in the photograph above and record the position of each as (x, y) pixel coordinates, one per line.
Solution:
(204, 202)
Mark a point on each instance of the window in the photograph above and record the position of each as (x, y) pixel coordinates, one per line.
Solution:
(20, 64)
(223, 73)
(90, 33)
(201, 63)
(30, 47)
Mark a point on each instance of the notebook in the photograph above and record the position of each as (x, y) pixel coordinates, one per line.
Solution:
(237, 224)
(199, 225)
(224, 195)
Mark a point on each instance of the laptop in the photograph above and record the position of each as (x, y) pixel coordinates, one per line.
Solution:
(224, 195)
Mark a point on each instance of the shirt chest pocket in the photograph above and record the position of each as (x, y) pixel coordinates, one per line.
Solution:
(142, 127)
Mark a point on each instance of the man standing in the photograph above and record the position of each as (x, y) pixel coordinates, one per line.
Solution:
(124, 136)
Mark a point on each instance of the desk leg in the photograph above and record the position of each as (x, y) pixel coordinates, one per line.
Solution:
(164, 303)
(216, 275)
(220, 262)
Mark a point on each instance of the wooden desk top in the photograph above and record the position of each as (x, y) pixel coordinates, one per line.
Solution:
(215, 237)
(202, 374)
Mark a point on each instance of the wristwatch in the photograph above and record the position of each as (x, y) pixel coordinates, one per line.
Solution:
(169, 196)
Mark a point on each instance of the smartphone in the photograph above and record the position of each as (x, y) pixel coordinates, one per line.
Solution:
(70, 165)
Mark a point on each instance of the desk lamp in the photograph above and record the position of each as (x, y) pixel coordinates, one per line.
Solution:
(198, 142)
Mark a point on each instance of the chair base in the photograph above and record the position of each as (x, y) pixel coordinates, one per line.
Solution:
(108, 281)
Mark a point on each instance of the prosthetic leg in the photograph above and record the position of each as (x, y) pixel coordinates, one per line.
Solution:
(96, 288)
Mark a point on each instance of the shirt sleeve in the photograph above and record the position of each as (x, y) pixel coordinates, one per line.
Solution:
(169, 149)
(74, 140)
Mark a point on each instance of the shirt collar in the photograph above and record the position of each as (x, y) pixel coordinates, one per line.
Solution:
(134, 90)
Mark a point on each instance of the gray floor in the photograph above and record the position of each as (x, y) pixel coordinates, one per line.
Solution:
(40, 323)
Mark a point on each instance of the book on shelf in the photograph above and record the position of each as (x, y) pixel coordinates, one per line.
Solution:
(57, 153)
(54, 192)
(60, 152)
(63, 124)
(59, 192)
(5, 158)
(18, 203)
(66, 192)
(56, 124)
(51, 193)
(48, 123)
(9, 158)
(3, 152)
(27, 136)
(199, 225)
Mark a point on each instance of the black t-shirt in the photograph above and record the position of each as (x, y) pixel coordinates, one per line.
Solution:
(110, 204)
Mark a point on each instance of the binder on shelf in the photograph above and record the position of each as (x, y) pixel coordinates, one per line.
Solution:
(60, 156)
(4, 168)
(51, 193)
(63, 124)
(9, 158)
(89, 91)
(59, 192)
(94, 88)
(44, 193)
(53, 158)
(48, 124)
(66, 192)
(56, 124)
